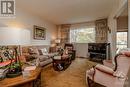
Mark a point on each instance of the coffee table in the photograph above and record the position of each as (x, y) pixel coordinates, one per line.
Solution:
(61, 63)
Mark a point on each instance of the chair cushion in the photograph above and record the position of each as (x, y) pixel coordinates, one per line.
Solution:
(90, 73)
(43, 63)
(108, 63)
(106, 79)
(104, 69)
(42, 58)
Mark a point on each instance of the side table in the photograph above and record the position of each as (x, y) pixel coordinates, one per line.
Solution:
(34, 80)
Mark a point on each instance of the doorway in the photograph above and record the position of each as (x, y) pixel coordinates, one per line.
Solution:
(122, 30)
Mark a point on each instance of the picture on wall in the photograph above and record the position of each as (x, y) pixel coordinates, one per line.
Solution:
(39, 33)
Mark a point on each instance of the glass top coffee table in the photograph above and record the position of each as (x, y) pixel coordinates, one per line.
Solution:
(61, 63)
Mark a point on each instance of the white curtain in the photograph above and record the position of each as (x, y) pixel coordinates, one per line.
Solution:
(74, 30)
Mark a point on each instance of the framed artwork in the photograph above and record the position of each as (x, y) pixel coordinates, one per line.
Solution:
(39, 33)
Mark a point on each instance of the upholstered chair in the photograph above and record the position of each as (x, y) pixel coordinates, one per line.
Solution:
(104, 76)
(71, 50)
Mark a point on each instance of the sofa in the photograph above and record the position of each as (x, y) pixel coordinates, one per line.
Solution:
(38, 54)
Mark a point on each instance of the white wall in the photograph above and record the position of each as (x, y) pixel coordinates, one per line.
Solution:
(129, 23)
(113, 25)
(81, 49)
(26, 20)
(14, 37)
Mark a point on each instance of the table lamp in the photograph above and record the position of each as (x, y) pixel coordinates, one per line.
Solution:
(57, 41)
(14, 37)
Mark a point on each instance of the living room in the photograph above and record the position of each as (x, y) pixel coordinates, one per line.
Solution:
(62, 43)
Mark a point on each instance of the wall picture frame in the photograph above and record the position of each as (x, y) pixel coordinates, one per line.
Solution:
(39, 33)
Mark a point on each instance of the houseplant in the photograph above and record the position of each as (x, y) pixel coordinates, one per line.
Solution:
(14, 66)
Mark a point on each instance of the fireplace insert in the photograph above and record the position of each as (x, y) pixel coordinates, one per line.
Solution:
(99, 50)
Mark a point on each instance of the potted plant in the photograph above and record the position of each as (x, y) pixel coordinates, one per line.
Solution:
(14, 66)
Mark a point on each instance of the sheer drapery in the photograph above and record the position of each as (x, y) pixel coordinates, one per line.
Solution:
(63, 33)
(82, 33)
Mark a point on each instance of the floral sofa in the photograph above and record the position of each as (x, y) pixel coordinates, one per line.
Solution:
(40, 54)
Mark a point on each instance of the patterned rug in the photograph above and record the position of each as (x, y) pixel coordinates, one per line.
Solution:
(73, 76)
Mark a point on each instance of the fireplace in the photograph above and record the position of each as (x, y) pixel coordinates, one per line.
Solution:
(99, 51)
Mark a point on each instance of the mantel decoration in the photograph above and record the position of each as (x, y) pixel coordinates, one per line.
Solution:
(39, 33)
(10, 41)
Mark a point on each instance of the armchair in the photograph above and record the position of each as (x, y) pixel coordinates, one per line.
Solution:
(110, 77)
(71, 50)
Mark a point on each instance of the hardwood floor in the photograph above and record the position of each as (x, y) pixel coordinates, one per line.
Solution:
(73, 76)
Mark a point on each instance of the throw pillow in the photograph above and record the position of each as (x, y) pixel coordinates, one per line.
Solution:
(43, 51)
(33, 51)
(40, 52)
(104, 69)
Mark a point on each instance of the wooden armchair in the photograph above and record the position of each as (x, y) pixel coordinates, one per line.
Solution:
(71, 50)
(108, 77)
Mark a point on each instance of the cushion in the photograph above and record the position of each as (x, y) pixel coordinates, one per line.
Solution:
(25, 50)
(104, 69)
(33, 51)
(22, 58)
(30, 57)
(65, 52)
(40, 52)
(43, 63)
(6, 54)
(64, 56)
(122, 50)
(42, 58)
(108, 63)
(90, 73)
(119, 74)
(43, 51)
(69, 48)
(126, 53)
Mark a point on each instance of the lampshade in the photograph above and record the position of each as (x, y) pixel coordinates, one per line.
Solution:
(57, 41)
(14, 36)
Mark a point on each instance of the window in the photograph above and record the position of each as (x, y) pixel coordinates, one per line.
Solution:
(121, 39)
(82, 35)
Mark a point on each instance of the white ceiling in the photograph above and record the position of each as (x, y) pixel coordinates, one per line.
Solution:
(68, 11)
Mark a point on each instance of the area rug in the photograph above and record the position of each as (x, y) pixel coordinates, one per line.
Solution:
(73, 76)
